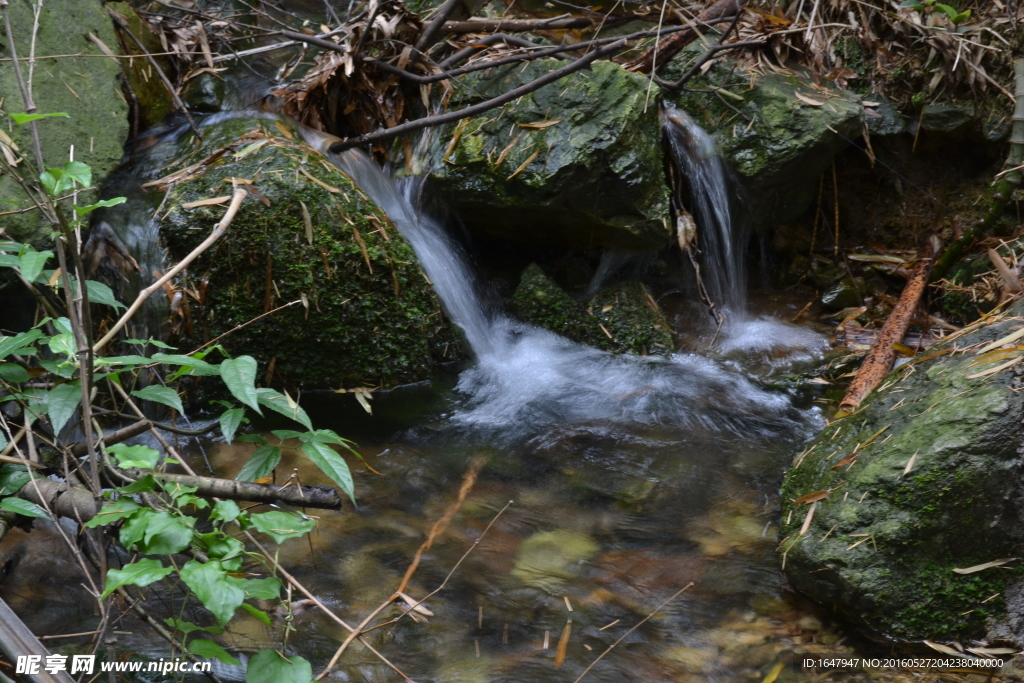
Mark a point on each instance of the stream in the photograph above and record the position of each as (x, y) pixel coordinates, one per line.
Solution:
(606, 485)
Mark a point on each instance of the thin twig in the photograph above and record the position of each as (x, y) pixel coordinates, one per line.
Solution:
(218, 232)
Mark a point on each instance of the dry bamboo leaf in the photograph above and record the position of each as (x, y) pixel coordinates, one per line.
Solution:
(540, 125)
(991, 651)
(416, 605)
(206, 202)
(904, 350)
(1012, 337)
(284, 130)
(808, 518)
(332, 190)
(876, 258)
(944, 649)
(773, 675)
(910, 464)
(818, 380)
(563, 643)
(307, 220)
(523, 166)
(504, 152)
(812, 498)
(807, 100)
(992, 371)
(987, 565)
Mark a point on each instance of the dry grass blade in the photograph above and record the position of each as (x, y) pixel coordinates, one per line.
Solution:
(996, 369)
(987, 565)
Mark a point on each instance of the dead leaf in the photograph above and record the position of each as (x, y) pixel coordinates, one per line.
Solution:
(284, 130)
(992, 371)
(307, 220)
(807, 100)
(987, 565)
(808, 518)
(540, 125)
(563, 643)
(206, 202)
(1012, 337)
(812, 497)
(944, 649)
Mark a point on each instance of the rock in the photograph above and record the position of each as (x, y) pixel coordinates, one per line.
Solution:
(580, 160)
(780, 144)
(844, 294)
(882, 547)
(944, 118)
(361, 324)
(885, 119)
(548, 558)
(633, 322)
(87, 88)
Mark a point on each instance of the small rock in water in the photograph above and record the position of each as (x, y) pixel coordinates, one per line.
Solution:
(547, 558)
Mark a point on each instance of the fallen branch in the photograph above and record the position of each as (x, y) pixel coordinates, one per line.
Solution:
(491, 25)
(879, 359)
(487, 105)
(16, 641)
(321, 497)
(721, 11)
(218, 232)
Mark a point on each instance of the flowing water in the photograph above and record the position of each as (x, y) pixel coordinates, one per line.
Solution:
(630, 478)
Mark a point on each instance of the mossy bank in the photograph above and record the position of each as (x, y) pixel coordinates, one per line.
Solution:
(921, 481)
(367, 315)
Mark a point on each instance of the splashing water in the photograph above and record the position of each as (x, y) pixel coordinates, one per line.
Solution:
(526, 377)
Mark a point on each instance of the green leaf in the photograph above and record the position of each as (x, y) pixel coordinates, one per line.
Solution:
(49, 179)
(12, 478)
(252, 438)
(258, 613)
(190, 365)
(12, 372)
(159, 394)
(146, 484)
(22, 507)
(211, 650)
(22, 119)
(331, 464)
(260, 464)
(270, 667)
(328, 436)
(214, 588)
(134, 456)
(99, 293)
(240, 376)
(31, 262)
(220, 546)
(277, 401)
(143, 342)
(119, 509)
(225, 510)
(129, 361)
(139, 573)
(283, 434)
(78, 172)
(82, 210)
(229, 422)
(281, 526)
(63, 344)
(10, 344)
(61, 403)
(265, 589)
(134, 528)
(187, 627)
(165, 534)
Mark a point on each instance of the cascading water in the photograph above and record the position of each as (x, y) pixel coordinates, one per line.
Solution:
(526, 377)
(720, 237)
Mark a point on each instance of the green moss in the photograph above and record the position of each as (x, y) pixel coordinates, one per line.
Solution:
(916, 526)
(360, 324)
(620, 319)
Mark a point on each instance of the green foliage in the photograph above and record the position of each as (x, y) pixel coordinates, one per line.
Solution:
(22, 119)
(281, 526)
(22, 507)
(138, 573)
(270, 667)
(163, 395)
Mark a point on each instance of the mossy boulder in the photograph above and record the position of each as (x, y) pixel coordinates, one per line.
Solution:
(577, 163)
(368, 315)
(621, 319)
(87, 88)
(779, 132)
(934, 487)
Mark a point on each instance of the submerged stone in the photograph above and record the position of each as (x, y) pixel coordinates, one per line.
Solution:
(622, 319)
(367, 315)
(934, 487)
(86, 88)
(548, 558)
(577, 163)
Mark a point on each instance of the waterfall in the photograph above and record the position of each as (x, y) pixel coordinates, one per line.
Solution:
(525, 377)
(720, 239)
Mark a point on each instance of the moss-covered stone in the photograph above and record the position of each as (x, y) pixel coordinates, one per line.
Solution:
(360, 324)
(87, 88)
(620, 319)
(780, 143)
(576, 163)
(882, 546)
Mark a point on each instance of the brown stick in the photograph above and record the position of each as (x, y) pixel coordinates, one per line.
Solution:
(491, 25)
(879, 358)
(322, 497)
(669, 47)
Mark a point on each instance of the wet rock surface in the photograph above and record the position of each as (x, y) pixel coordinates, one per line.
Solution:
(919, 482)
(577, 163)
(622, 318)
